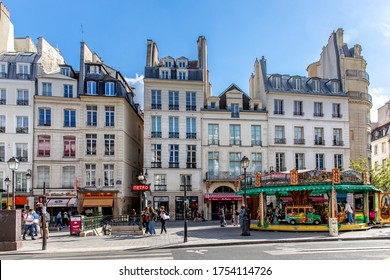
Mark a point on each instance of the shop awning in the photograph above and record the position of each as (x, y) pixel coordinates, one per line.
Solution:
(312, 198)
(98, 202)
(72, 202)
(222, 196)
(57, 202)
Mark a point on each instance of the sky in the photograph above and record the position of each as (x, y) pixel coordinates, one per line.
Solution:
(289, 34)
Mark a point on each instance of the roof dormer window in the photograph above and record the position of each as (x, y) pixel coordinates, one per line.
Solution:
(94, 69)
(182, 64)
(276, 82)
(182, 75)
(296, 83)
(65, 71)
(316, 85)
(165, 74)
(168, 64)
(23, 71)
(335, 86)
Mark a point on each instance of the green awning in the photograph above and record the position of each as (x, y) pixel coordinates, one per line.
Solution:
(316, 189)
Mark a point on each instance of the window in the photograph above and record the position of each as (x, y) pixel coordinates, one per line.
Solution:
(191, 128)
(44, 146)
(213, 134)
(22, 152)
(94, 69)
(2, 152)
(300, 161)
(298, 135)
(278, 107)
(90, 176)
(46, 89)
(279, 135)
(91, 87)
(23, 71)
(280, 162)
(234, 164)
(191, 156)
(173, 100)
(296, 84)
(43, 176)
(165, 74)
(182, 64)
(316, 85)
(173, 127)
(338, 161)
(336, 110)
(65, 71)
(110, 116)
(21, 124)
(256, 135)
(160, 182)
(298, 108)
(91, 144)
(213, 165)
(110, 89)
(156, 99)
(156, 127)
(335, 86)
(235, 111)
(69, 146)
(109, 145)
(319, 136)
(68, 177)
(318, 112)
(44, 116)
(235, 134)
(173, 156)
(168, 63)
(182, 75)
(2, 184)
(108, 175)
(69, 118)
(320, 162)
(3, 70)
(21, 182)
(277, 82)
(22, 97)
(257, 163)
(190, 101)
(91, 115)
(212, 105)
(156, 155)
(338, 137)
(3, 96)
(185, 182)
(2, 124)
(375, 149)
(384, 148)
(68, 91)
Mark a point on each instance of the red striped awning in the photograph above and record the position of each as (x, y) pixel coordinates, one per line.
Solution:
(222, 196)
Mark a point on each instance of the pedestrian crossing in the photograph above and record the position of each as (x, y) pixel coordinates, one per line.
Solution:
(117, 255)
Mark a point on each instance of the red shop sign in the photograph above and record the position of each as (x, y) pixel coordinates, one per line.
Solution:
(140, 187)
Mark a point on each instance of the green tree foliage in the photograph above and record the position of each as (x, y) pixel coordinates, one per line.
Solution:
(380, 176)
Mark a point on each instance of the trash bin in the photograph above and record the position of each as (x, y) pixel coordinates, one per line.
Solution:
(333, 227)
(76, 224)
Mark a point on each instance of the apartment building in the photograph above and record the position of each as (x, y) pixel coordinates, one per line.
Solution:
(380, 137)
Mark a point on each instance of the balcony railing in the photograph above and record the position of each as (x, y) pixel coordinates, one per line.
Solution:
(256, 143)
(22, 159)
(190, 108)
(160, 188)
(280, 140)
(338, 143)
(156, 134)
(298, 113)
(174, 165)
(22, 102)
(235, 142)
(222, 175)
(337, 115)
(318, 114)
(191, 135)
(174, 107)
(156, 106)
(22, 130)
(156, 164)
(44, 123)
(299, 141)
(278, 112)
(319, 142)
(188, 187)
(235, 115)
(23, 76)
(280, 169)
(173, 134)
(213, 141)
(358, 74)
(191, 165)
(359, 96)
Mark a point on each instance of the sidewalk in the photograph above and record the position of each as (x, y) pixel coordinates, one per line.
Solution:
(199, 234)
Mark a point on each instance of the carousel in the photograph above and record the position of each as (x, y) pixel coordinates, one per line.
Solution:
(305, 200)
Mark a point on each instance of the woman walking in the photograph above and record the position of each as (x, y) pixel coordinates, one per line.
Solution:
(152, 219)
(163, 218)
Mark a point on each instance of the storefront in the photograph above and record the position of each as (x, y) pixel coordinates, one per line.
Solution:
(192, 207)
(97, 203)
(159, 201)
(228, 200)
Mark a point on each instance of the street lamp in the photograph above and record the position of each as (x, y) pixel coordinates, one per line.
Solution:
(142, 178)
(13, 164)
(246, 222)
(7, 181)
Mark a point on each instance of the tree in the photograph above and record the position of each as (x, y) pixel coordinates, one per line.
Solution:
(380, 175)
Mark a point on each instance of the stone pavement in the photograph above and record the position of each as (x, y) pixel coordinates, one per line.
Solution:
(207, 233)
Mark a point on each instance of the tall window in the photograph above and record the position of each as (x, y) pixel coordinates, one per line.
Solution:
(337, 137)
(280, 162)
(109, 145)
(320, 161)
(316, 85)
(2, 124)
(22, 97)
(68, 177)
(338, 161)
(298, 108)
(23, 71)
(278, 107)
(191, 128)
(213, 164)
(319, 136)
(91, 115)
(94, 69)
(91, 87)
(109, 175)
(300, 161)
(21, 124)
(110, 89)
(235, 134)
(279, 135)
(173, 127)
(46, 89)
(45, 116)
(182, 75)
(213, 134)
(234, 164)
(256, 135)
(2, 184)
(190, 101)
(110, 116)
(336, 110)
(156, 127)
(298, 135)
(69, 118)
(191, 156)
(173, 156)
(165, 74)
(91, 140)
(335, 86)
(3, 70)
(156, 99)
(173, 100)
(3, 96)
(257, 162)
(2, 152)
(69, 146)
(21, 182)
(90, 176)
(156, 155)
(235, 110)
(22, 152)
(160, 182)
(318, 112)
(44, 145)
(68, 91)
(185, 182)
(384, 147)
(43, 176)
(277, 82)
(296, 83)
(65, 71)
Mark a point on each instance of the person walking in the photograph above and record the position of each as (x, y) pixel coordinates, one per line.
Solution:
(236, 217)
(65, 219)
(133, 218)
(163, 218)
(29, 225)
(242, 214)
(145, 219)
(59, 220)
(152, 220)
(222, 220)
(36, 223)
(349, 211)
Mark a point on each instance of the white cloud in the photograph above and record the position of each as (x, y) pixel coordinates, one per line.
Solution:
(379, 98)
(138, 84)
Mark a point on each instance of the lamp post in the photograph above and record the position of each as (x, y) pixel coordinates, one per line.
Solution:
(142, 177)
(13, 164)
(246, 222)
(185, 211)
(7, 181)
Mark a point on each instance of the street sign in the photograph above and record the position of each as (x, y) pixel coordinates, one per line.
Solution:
(140, 187)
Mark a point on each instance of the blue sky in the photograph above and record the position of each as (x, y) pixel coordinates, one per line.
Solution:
(290, 34)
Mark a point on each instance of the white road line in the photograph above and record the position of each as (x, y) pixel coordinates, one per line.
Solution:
(291, 251)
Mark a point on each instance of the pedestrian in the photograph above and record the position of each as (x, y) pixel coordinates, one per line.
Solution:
(59, 220)
(242, 214)
(36, 223)
(65, 219)
(29, 224)
(348, 209)
(236, 217)
(152, 220)
(145, 219)
(163, 218)
(222, 220)
(133, 218)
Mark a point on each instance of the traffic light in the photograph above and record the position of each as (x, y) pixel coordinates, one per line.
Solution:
(336, 175)
(258, 179)
(40, 199)
(294, 177)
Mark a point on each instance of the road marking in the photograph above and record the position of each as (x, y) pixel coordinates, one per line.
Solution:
(149, 256)
(292, 251)
(200, 252)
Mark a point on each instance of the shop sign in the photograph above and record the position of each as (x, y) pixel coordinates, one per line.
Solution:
(140, 187)
(161, 199)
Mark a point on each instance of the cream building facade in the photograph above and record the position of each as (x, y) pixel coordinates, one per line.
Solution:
(380, 137)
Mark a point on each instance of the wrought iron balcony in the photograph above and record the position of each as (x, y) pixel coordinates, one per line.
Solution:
(235, 142)
(173, 134)
(298, 113)
(160, 188)
(156, 164)
(174, 165)
(191, 165)
(174, 107)
(3, 102)
(189, 187)
(22, 102)
(256, 143)
(191, 135)
(22, 130)
(279, 112)
(318, 114)
(319, 142)
(337, 115)
(299, 141)
(338, 143)
(23, 76)
(222, 175)
(156, 106)
(2, 129)
(280, 140)
(156, 134)
(22, 159)
(213, 141)
(190, 108)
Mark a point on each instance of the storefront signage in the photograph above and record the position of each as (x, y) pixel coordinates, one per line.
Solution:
(140, 187)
